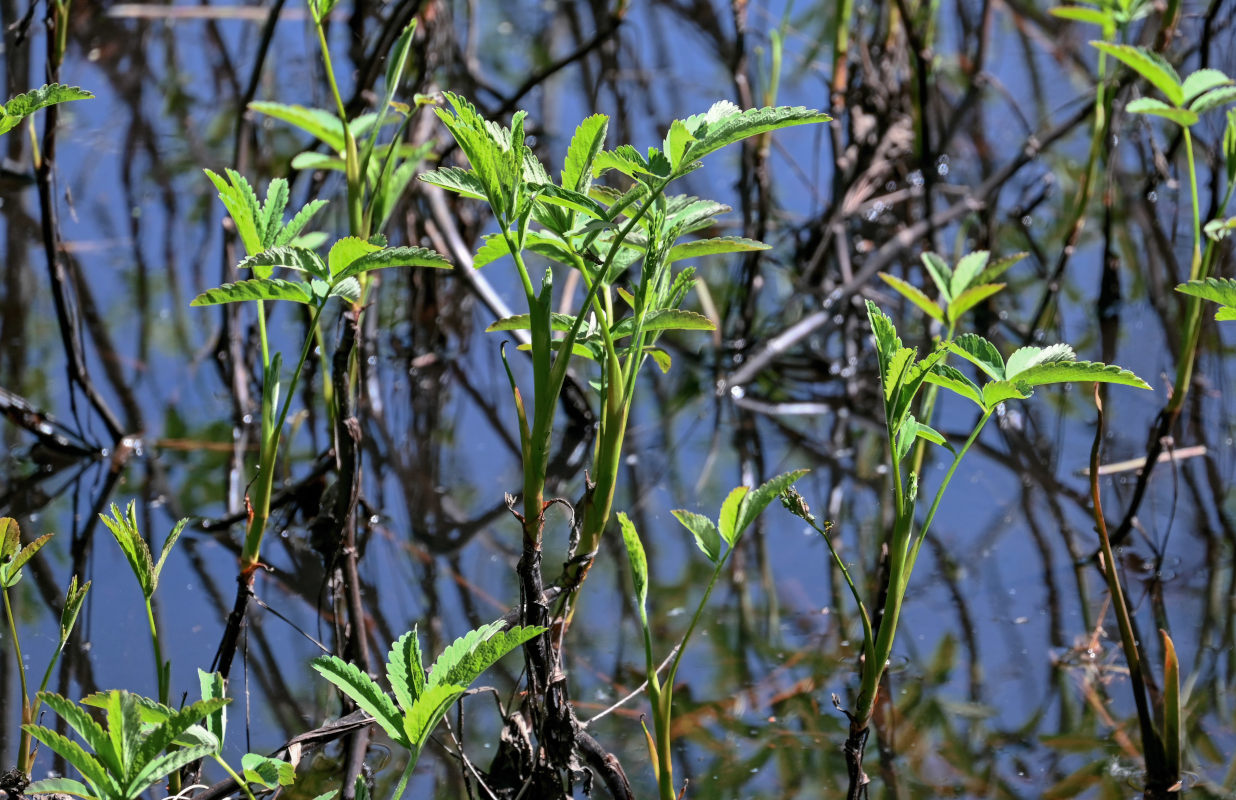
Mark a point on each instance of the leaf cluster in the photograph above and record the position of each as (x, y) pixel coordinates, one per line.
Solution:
(271, 243)
(422, 699)
(961, 288)
(124, 529)
(1187, 99)
(126, 755)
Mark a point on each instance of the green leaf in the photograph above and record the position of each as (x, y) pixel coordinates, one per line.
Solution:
(428, 712)
(242, 206)
(892, 378)
(136, 552)
(718, 245)
(970, 298)
(83, 762)
(689, 214)
(165, 733)
(291, 257)
(364, 692)
(468, 656)
(956, 381)
(755, 502)
(1172, 741)
(10, 573)
(727, 521)
(1078, 371)
(1000, 266)
(724, 124)
(10, 538)
(707, 538)
(941, 274)
(394, 257)
(1218, 290)
(1026, 357)
(997, 392)
(405, 670)
(1225, 314)
(168, 544)
(347, 250)
(83, 724)
(1082, 14)
(1151, 105)
(318, 123)
(887, 341)
(288, 235)
(568, 198)
(676, 143)
(523, 322)
(969, 267)
(915, 295)
(980, 352)
(587, 142)
(271, 218)
(255, 289)
(23, 105)
(60, 786)
(73, 600)
(212, 686)
(665, 319)
(1150, 65)
(163, 766)
(1201, 81)
(625, 159)
(639, 561)
(1217, 98)
(267, 772)
(455, 179)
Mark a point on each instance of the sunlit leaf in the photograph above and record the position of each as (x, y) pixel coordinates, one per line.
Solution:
(454, 179)
(23, 105)
(318, 123)
(941, 274)
(467, 657)
(969, 267)
(364, 692)
(299, 259)
(394, 257)
(1156, 107)
(1150, 65)
(665, 319)
(708, 247)
(970, 298)
(1083, 14)
(981, 353)
(754, 503)
(639, 561)
(724, 124)
(915, 296)
(587, 142)
(428, 712)
(1217, 98)
(997, 392)
(705, 533)
(1071, 371)
(345, 251)
(254, 289)
(727, 521)
(955, 381)
(1201, 81)
(405, 669)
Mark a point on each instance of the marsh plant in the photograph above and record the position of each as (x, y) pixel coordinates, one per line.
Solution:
(902, 376)
(13, 557)
(716, 540)
(312, 280)
(622, 245)
(422, 698)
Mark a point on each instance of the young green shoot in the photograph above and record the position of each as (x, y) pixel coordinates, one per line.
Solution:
(739, 510)
(422, 699)
(13, 556)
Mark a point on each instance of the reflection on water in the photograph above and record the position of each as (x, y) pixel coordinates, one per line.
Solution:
(1008, 680)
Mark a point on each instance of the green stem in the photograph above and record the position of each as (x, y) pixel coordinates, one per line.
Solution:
(23, 746)
(413, 757)
(356, 188)
(241, 782)
(266, 471)
(162, 676)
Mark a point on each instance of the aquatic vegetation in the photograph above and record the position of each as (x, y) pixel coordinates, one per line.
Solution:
(14, 556)
(738, 511)
(902, 375)
(422, 699)
(125, 531)
(1218, 290)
